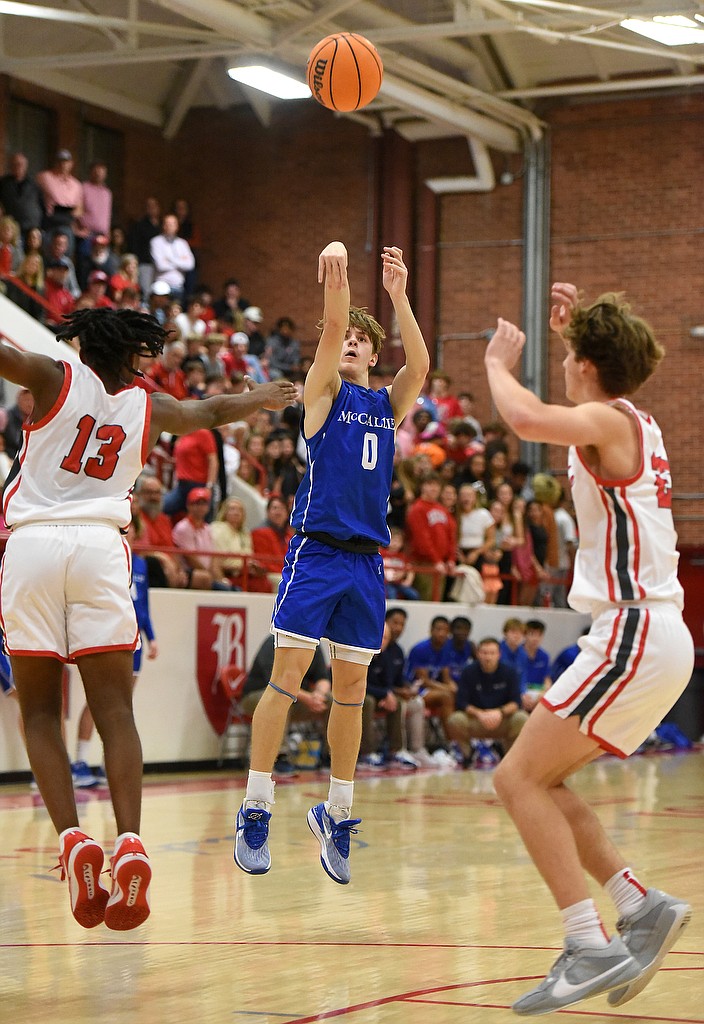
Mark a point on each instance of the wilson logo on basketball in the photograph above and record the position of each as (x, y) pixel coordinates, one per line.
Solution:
(318, 78)
(221, 644)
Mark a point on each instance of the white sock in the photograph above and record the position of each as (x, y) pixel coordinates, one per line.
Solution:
(260, 788)
(83, 750)
(626, 892)
(581, 921)
(339, 801)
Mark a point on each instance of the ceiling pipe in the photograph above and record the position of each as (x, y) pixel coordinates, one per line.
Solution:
(483, 180)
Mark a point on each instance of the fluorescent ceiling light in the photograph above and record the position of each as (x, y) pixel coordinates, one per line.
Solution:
(272, 82)
(672, 30)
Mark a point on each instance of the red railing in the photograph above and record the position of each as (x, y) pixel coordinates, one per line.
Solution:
(26, 290)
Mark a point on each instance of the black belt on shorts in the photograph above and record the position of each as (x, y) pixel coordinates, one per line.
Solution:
(357, 545)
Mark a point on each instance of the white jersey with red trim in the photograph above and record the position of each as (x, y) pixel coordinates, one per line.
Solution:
(80, 461)
(627, 542)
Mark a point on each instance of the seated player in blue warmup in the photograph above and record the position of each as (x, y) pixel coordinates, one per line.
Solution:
(333, 580)
(533, 665)
(459, 647)
(511, 647)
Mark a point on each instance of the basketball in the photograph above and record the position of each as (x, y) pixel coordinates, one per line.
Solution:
(344, 71)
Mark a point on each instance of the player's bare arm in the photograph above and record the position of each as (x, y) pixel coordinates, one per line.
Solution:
(410, 378)
(592, 424)
(43, 376)
(323, 379)
(174, 417)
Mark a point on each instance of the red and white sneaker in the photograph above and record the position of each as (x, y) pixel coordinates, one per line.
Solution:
(128, 906)
(81, 860)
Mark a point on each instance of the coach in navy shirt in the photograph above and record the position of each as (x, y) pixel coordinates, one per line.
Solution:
(488, 701)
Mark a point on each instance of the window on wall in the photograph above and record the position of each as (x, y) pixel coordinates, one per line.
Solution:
(99, 143)
(29, 131)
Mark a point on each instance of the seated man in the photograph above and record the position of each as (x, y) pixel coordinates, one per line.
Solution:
(384, 678)
(488, 702)
(534, 677)
(314, 697)
(427, 681)
(459, 648)
(511, 647)
(165, 569)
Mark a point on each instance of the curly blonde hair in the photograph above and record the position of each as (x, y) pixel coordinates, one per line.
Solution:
(622, 346)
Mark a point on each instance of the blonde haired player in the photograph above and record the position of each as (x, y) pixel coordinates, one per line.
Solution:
(635, 661)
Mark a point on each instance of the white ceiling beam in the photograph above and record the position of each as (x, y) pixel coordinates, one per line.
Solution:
(260, 104)
(624, 85)
(229, 19)
(493, 133)
(103, 58)
(453, 89)
(99, 21)
(95, 95)
(662, 52)
(186, 98)
(307, 24)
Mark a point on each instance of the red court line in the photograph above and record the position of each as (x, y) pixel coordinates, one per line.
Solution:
(574, 1013)
(417, 995)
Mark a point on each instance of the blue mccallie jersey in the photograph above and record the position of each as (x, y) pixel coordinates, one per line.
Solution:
(345, 491)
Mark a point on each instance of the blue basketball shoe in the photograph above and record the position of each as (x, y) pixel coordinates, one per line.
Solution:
(252, 838)
(334, 839)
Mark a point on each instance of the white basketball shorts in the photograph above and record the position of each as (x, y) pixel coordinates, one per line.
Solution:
(65, 591)
(634, 663)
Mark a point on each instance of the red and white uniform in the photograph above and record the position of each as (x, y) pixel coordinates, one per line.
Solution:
(627, 540)
(65, 581)
(639, 655)
(80, 461)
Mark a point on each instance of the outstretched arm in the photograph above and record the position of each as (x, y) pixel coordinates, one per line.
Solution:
(42, 375)
(179, 418)
(323, 379)
(409, 379)
(592, 423)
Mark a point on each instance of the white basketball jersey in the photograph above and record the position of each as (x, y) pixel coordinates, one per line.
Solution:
(627, 541)
(80, 461)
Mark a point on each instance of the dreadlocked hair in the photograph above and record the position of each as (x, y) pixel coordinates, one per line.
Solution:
(108, 337)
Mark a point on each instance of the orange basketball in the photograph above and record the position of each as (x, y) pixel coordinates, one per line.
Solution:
(344, 71)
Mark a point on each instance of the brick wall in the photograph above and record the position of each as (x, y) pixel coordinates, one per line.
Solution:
(627, 212)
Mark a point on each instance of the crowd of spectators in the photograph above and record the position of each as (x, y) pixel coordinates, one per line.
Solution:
(467, 523)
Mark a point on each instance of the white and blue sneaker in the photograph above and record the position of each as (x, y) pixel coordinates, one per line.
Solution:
(82, 776)
(334, 839)
(580, 972)
(252, 838)
(649, 934)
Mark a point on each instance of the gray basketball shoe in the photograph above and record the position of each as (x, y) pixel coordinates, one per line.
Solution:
(649, 935)
(580, 972)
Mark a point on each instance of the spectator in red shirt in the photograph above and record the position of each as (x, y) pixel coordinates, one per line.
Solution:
(447, 406)
(95, 297)
(165, 570)
(432, 539)
(167, 373)
(195, 465)
(56, 293)
(270, 541)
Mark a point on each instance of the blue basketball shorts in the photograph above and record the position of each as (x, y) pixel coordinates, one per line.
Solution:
(331, 594)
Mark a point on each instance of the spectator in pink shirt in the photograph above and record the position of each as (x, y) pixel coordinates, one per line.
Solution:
(194, 534)
(63, 196)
